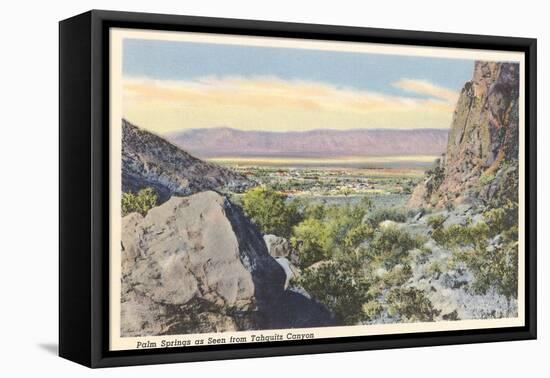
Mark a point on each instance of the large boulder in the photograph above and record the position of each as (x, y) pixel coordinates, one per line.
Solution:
(197, 264)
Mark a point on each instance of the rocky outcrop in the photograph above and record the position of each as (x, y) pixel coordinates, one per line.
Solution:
(150, 161)
(197, 264)
(483, 140)
(280, 248)
(277, 246)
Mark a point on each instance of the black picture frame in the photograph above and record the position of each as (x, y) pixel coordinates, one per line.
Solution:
(84, 194)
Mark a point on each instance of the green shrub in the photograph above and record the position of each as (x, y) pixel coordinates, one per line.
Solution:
(390, 246)
(140, 202)
(393, 214)
(271, 211)
(435, 268)
(372, 309)
(328, 232)
(506, 186)
(457, 235)
(502, 219)
(340, 285)
(357, 235)
(345, 227)
(494, 264)
(436, 224)
(410, 304)
(486, 178)
(397, 276)
(310, 238)
(494, 267)
(314, 211)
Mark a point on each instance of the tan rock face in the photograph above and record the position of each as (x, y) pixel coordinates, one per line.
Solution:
(196, 264)
(187, 248)
(483, 134)
(203, 257)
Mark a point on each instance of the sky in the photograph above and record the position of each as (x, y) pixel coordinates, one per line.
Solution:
(175, 85)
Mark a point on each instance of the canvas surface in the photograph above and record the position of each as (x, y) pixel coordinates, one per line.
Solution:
(274, 189)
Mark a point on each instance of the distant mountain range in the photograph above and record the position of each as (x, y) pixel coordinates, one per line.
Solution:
(320, 143)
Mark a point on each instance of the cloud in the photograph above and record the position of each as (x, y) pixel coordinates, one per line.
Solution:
(426, 88)
(270, 103)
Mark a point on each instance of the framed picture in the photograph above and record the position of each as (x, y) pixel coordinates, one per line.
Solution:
(234, 188)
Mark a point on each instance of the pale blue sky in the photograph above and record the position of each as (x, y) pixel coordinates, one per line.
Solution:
(168, 60)
(171, 85)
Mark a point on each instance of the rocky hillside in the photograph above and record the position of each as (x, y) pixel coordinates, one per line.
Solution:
(480, 162)
(150, 161)
(196, 264)
(217, 142)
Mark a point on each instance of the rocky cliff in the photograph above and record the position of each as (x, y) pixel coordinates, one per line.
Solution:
(480, 161)
(150, 161)
(196, 264)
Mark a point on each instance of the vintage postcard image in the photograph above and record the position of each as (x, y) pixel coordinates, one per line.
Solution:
(268, 189)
